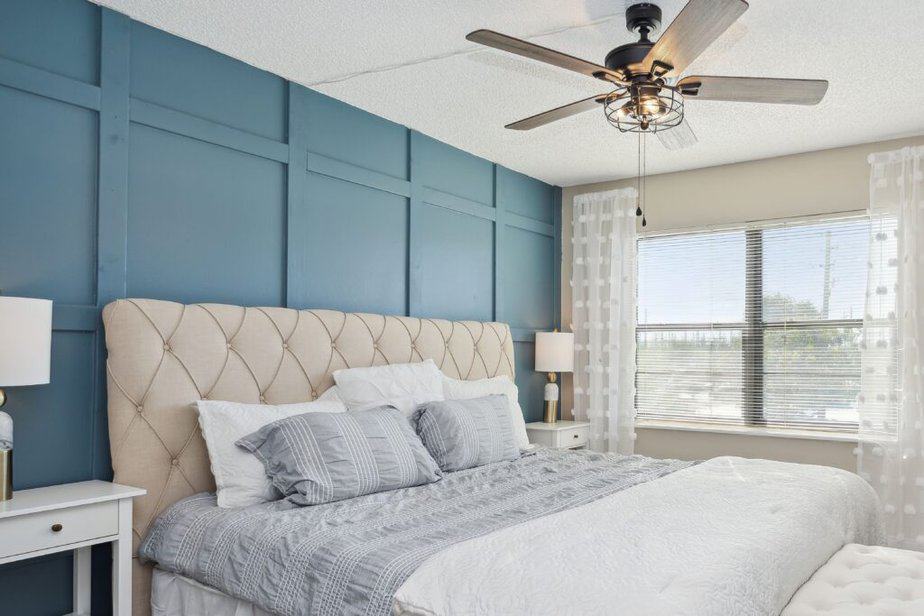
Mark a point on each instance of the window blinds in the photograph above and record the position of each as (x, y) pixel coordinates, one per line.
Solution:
(757, 325)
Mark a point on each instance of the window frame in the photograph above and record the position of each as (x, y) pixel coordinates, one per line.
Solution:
(752, 331)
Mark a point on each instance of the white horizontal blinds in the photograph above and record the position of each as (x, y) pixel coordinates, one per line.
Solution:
(813, 296)
(758, 325)
(691, 313)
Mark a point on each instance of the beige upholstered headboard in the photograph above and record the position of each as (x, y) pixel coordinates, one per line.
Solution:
(164, 356)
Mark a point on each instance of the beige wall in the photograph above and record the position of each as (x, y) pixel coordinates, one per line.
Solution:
(689, 445)
(821, 182)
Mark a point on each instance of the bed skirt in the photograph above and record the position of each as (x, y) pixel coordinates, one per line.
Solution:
(175, 595)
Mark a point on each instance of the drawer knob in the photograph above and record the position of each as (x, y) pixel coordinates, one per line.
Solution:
(575, 436)
(56, 528)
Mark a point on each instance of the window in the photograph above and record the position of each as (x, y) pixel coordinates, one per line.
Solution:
(755, 326)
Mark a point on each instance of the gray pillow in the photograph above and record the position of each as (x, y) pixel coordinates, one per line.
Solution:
(461, 434)
(318, 458)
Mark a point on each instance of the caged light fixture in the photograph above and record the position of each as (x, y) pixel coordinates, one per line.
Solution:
(643, 108)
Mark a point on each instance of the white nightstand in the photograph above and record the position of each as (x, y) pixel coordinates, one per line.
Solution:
(74, 516)
(559, 435)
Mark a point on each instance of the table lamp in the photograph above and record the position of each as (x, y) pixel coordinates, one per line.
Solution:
(554, 353)
(25, 359)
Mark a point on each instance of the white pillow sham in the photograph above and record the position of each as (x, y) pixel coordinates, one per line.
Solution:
(240, 478)
(402, 386)
(456, 389)
(330, 394)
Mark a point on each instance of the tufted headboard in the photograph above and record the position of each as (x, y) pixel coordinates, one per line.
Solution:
(163, 356)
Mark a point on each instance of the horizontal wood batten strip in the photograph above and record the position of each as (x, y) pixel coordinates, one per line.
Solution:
(354, 174)
(458, 204)
(529, 224)
(43, 83)
(180, 123)
(525, 334)
(74, 318)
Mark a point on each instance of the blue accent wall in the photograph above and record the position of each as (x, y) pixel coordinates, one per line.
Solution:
(135, 163)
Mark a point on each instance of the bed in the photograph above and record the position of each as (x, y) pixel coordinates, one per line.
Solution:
(619, 535)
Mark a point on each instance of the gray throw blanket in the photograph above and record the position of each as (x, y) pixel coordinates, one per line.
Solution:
(350, 557)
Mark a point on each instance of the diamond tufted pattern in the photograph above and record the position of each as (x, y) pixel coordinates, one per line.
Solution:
(163, 356)
(864, 580)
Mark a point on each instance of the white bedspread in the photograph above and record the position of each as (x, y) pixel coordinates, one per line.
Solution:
(728, 537)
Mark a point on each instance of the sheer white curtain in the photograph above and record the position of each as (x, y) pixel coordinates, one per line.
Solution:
(891, 400)
(603, 307)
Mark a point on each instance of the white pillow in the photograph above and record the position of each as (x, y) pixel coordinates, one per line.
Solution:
(455, 389)
(240, 478)
(403, 386)
(330, 394)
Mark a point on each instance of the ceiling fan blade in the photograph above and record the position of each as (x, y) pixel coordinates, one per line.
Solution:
(699, 24)
(559, 113)
(542, 54)
(754, 89)
(679, 137)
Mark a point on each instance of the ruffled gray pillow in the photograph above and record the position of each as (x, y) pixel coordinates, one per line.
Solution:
(461, 434)
(323, 457)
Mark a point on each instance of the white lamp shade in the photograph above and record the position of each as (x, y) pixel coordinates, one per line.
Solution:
(25, 341)
(554, 352)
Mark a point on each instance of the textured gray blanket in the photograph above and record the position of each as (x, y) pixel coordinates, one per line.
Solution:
(350, 557)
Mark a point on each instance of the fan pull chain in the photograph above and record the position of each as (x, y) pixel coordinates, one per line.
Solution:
(644, 177)
(641, 180)
(638, 179)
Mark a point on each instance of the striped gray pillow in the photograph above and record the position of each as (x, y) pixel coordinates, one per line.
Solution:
(461, 434)
(324, 457)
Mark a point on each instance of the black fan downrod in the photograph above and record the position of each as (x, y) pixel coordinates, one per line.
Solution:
(643, 18)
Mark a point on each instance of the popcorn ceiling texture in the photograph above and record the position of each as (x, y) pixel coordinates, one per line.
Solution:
(408, 61)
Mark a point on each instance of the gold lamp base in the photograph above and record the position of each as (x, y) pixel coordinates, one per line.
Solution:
(551, 411)
(6, 453)
(6, 474)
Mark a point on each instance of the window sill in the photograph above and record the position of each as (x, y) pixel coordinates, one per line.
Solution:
(843, 437)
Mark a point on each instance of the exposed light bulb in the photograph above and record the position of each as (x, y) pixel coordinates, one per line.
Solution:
(650, 107)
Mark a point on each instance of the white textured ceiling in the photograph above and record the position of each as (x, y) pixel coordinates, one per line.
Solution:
(408, 60)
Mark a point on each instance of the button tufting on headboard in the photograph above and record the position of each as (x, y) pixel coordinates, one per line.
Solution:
(163, 356)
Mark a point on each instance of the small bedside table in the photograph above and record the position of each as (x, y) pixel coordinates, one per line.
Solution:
(74, 516)
(559, 435)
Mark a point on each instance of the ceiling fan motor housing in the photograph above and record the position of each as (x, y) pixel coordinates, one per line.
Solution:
(627, 59)
(642, 18)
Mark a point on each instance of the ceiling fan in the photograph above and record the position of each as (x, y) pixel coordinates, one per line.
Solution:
(648, 97)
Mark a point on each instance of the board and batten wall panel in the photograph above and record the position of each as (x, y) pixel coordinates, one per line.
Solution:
(350, 222)
(135, 163)
(205, 223)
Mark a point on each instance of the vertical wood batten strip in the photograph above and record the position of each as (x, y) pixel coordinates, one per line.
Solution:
(111, 240)
(297, 285)
(112, 206)
(415, 204)
(499, 223)
(557, 258)
(567, 379)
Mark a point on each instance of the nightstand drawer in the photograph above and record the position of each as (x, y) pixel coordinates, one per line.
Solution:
(37, 531)
(559, 435)
(573, 437)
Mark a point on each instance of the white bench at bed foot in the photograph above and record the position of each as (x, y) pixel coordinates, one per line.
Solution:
(862, 580)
